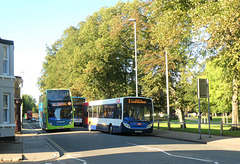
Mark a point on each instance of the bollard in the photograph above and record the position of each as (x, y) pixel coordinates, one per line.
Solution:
(158, 124)
(169, 126)
(221, 128)
(183, 126)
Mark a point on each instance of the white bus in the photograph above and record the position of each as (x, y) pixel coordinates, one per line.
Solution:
(121, 115)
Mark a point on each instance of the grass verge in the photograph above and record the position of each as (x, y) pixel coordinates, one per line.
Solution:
(215, 127)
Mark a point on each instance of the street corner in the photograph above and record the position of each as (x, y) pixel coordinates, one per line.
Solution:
(11, 151)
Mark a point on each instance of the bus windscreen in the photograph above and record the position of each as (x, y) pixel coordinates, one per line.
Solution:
(137, 109)
(59, 106)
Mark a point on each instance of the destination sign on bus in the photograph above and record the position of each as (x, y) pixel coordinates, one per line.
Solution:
(137, 101)
(61, 104)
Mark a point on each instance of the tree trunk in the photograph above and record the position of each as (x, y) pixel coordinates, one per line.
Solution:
(226, 118)
(181, 117)
(223, 119)
(235, 105)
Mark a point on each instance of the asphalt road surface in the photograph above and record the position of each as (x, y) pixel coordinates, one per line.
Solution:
(81, 146)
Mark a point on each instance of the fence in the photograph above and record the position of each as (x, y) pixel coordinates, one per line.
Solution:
(221, 124)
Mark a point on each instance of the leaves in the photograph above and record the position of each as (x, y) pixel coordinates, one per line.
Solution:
(96, 58)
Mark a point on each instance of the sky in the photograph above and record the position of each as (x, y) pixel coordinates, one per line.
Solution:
(34, 24)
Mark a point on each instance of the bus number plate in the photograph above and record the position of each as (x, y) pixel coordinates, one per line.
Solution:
(138, 131)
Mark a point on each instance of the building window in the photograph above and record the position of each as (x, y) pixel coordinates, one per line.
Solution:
(6, 108)
(5, 60)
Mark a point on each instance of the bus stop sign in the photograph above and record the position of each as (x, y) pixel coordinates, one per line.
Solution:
(203, 89)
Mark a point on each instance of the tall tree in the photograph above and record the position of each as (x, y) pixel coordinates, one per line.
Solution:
(222, 21)
(95, 59)
(170, 31)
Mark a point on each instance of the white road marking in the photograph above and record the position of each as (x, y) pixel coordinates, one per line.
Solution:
(65, 152)
(169, 154)
(78, 159)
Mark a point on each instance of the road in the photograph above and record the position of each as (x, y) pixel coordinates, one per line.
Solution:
(81, 146)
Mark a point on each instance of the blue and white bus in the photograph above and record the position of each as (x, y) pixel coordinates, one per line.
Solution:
(121, 115)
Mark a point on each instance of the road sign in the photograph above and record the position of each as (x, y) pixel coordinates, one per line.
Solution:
(203, 92)
(203, 89)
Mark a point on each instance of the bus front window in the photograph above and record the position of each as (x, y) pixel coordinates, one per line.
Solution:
(60, 113)
(137, 112)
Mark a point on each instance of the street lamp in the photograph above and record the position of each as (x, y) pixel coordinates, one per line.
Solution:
(167, 87)
(135, 35)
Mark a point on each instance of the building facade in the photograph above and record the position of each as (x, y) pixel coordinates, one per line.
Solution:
(7, 120)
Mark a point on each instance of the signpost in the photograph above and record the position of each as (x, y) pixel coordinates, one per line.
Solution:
(203, 92)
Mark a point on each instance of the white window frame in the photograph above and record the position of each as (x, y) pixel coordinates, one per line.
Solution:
(6, 60)
(6, 108)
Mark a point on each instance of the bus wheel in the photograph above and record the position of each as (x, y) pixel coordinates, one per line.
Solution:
(110, 129)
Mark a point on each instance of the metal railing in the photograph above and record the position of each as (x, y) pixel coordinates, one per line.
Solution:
(221, 124)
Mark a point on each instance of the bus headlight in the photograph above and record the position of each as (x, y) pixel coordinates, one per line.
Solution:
(149, 126)
(69, 122)
(126, 125)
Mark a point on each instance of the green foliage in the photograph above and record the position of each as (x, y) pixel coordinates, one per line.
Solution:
(222, 21)
(219, 89)
(168, 28)
(96, 58)
(28, 103)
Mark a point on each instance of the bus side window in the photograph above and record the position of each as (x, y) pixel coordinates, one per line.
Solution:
(110, 111)
(117, 111)
(105, 111)
(95, 111)
(101, 111)
(90, 108)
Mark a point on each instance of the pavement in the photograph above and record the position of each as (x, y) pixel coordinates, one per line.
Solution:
(28, 146)
(32, 147)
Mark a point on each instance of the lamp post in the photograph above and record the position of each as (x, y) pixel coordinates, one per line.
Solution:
(167, 87)
(135, 35)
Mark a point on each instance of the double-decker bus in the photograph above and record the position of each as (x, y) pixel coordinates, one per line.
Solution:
(78, 109)
(55, 109)
(121, 115)
(29, 115)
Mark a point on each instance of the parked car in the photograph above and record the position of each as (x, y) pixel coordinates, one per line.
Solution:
(34, 119)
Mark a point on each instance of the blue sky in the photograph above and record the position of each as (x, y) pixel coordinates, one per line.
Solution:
(33, 24)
